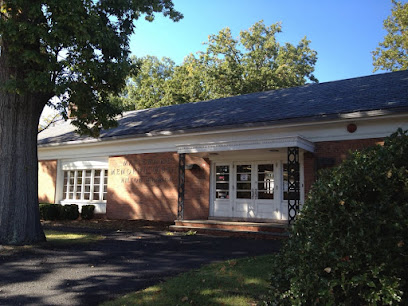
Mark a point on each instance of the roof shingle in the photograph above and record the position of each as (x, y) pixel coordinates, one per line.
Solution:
(380, 92)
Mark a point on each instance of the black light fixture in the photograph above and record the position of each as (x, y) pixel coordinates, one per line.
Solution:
(192, 167)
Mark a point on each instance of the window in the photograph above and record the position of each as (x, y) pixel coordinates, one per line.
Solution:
(85, 185)
(266, 182)
(243, 176)
(222, 178)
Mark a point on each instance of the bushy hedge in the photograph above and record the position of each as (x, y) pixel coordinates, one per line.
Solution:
(87, 212)
(59, 212)
(50, 211)
(349, 246)
(70, 212)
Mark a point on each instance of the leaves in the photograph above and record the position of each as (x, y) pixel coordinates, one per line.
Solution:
(77, 50)
(253, 62)
(353, 253)
(392, 53)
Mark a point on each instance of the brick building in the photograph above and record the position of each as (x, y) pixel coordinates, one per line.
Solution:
(250, 157)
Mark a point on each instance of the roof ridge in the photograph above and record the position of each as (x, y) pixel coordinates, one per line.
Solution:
(267, 91)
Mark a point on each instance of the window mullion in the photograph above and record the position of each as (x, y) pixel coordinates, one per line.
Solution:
(83, 185)
(75, 184)
(101, 183)
(92, 185)
(68, 185)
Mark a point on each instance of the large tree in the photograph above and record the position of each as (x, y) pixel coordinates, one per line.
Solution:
(77, 50)
(392, 53)
(253, 62)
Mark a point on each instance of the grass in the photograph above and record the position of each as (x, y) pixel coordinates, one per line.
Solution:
(57, 237)
(234, 282)
(54, 238)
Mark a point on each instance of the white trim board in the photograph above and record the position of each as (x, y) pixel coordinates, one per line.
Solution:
(319, 131)
(273, 143)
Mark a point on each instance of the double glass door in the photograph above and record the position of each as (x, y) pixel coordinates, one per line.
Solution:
(255, 190)
(248, 190)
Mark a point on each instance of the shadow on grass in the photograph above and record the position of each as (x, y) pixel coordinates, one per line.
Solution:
(234, 282)
(91, 273)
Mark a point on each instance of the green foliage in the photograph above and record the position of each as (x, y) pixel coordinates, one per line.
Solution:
(69, 212)
(254, 62)
(77, 50)
(87, 212)
(50, 211)
(59, 212)
(234, 282)
(392, 53)
(349, 246)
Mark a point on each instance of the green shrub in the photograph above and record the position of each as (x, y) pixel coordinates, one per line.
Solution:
(59, 212)
(70, 212)
(349, 246)
(50, 211)
(87, 212)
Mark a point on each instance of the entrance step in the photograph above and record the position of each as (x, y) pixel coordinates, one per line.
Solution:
(236, 229)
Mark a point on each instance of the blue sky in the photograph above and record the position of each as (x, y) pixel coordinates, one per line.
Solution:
(342, 32)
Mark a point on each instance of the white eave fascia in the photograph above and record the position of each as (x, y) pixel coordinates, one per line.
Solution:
(272, 143)
(349, 117)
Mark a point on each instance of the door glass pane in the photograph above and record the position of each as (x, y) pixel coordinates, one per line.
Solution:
(244, 186)
(244, 182)
(222, 183)
(266, 182)
(222, 178)
(244, 169)
(222, 169)
(223, 186)
(243, 194)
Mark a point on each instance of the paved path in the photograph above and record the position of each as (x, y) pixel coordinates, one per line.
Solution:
(122, 263)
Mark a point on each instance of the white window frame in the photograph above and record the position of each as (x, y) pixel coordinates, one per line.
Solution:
(98, 163)
(81, 173)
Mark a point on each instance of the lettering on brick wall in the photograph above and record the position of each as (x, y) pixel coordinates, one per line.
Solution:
(144, 171)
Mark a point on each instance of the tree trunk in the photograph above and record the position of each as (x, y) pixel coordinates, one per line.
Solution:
(19, 209)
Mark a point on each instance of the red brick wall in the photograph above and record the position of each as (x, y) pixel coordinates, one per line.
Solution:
(197, 189)
(327, 152)
(145, 186)
(47, 178)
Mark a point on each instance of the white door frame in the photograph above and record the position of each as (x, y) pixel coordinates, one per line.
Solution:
(253, 207)
(222, 208)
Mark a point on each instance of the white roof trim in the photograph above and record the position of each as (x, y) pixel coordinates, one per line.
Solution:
(272, 143)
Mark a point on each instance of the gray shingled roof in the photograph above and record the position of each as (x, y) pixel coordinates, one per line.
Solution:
(387, 92)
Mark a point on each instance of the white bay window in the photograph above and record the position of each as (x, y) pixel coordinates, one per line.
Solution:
(84, 182)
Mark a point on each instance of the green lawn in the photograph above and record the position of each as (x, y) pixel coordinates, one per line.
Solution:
(234, 282)
(54, 238)
(57, 237)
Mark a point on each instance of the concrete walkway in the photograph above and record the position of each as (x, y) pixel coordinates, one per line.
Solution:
(122, 263)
